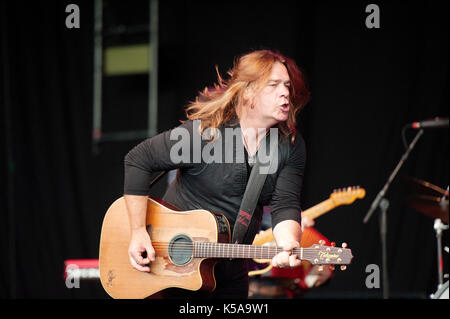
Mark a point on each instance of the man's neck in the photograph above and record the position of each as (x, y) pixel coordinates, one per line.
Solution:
(254, 122)
(253, 131)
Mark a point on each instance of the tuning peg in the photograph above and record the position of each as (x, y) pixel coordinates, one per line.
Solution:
(333, 244)
(344, 245)
(322, 242)
(343, 267)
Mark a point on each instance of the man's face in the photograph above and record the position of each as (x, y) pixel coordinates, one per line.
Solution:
(272, 102)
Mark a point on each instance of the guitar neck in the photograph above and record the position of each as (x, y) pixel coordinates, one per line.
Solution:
(319, 209)
(222, 250)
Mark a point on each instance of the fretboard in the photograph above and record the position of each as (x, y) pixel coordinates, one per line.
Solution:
(221, 250)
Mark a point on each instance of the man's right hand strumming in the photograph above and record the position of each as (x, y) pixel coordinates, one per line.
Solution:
(141, 251)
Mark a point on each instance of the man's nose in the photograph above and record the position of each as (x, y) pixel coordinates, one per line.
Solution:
(284, 91)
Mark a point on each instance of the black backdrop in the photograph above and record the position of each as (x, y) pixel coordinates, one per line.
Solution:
(366, 85)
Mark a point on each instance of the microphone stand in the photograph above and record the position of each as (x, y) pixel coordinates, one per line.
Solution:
(383, 204)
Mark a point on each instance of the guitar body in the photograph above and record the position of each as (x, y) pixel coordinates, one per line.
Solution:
(165, 224)
(187, 246)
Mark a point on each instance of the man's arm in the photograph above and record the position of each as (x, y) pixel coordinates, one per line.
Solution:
(153, 154)
(288, 235)
(140, 251)
(285, 205)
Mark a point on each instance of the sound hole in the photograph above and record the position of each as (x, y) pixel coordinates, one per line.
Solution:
(180, 250)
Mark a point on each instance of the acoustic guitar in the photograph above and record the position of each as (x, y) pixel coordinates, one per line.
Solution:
(187, 246)
(344, 196)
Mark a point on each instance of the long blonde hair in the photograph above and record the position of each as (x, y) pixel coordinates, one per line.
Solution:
(223, 103)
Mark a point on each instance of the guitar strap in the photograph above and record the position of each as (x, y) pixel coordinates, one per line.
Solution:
(251, 195)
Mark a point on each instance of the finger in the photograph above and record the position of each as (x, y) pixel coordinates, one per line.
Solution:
(294, 261)
(139, 267)
(283, 259)
(277, 261)
(289, 246)
(138, 259)
(150, 253)
(146, 260)
(135, 256)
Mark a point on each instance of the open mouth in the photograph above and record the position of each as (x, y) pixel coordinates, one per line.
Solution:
(285, 107)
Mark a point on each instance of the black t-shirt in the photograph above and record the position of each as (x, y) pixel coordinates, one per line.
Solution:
(214, 176)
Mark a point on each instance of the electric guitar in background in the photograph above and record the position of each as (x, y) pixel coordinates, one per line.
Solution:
(339, 197)
(187, 246)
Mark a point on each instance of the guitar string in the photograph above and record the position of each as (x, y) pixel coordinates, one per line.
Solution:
(239, 251)
(221, 245)
(209, 245)
(265, 255)
(269, 256)
(249, 248)
(245, 249)
(312, 259)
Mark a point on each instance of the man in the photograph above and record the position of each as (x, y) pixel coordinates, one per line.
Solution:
(265, 91)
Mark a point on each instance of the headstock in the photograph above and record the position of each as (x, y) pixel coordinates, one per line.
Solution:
(345, 196)
(319, 254)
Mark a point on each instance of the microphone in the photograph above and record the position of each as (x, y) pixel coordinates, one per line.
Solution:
(437, 122)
